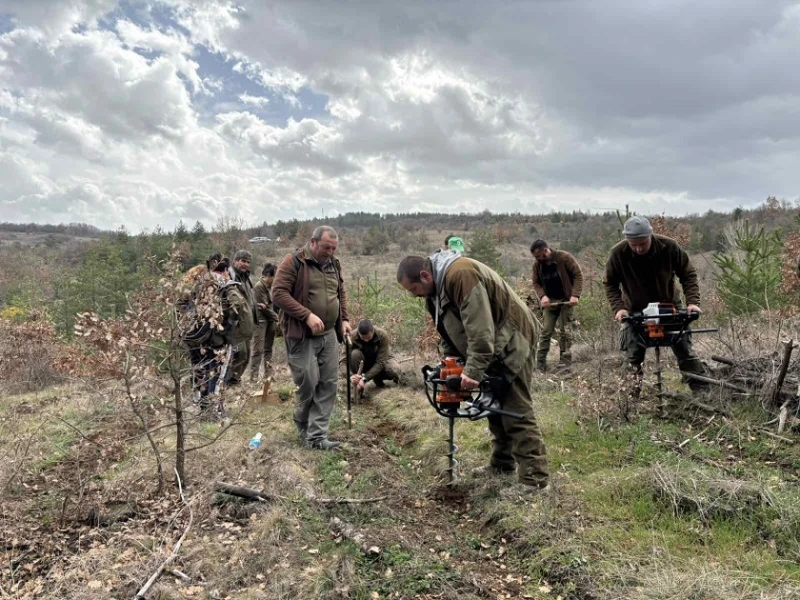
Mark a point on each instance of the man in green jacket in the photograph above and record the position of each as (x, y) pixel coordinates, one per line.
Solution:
(370, 346)
(240, 273)
(264, 334)
(642, 269)
(482, 321)
(237, 322)
(558, 282)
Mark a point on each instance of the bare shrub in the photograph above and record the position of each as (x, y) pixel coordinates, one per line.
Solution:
(29, 347)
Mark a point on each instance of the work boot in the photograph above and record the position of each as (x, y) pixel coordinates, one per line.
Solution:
(524, 491)
(492, 470)
(379, 382)
(323, 444)
(302, 430)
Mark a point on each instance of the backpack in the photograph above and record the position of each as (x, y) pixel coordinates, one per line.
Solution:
(198, 332)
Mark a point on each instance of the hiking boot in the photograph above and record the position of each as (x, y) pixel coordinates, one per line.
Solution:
(302, 430)
(323, 444)
(379, 383)
(492, 470)
(541, 366)
(524, 491)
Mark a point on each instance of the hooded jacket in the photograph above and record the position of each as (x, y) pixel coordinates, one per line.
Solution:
(480, 318)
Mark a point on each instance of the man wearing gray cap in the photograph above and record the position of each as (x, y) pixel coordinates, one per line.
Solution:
(642, 269)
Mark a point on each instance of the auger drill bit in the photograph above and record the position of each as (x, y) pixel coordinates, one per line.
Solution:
(452, 463)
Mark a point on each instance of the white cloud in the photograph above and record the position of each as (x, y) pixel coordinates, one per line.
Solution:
(257, 101)
(429, 106)
(57, 16)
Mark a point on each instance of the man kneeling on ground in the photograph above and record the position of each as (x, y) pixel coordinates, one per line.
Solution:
(370, 345)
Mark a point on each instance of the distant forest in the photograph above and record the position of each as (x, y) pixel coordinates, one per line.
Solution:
(573, 231)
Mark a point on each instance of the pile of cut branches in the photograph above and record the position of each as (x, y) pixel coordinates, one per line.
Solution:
(774, 379)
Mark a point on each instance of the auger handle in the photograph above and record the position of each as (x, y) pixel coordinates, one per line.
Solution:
(500, 411)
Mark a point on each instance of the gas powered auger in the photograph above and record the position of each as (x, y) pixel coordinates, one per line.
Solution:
(443, 389)
(661, 325)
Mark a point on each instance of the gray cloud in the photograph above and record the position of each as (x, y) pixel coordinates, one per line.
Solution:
(463, 105)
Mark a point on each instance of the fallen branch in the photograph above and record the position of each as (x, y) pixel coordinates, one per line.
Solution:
(243, 492)
(787, 356)
(348, 500)
(718, 382)
(694, 437)
(180, 575)
(723, 360)
(695, 403)
(146, 587)
(351, 533)
(259, 496)
(780, 438)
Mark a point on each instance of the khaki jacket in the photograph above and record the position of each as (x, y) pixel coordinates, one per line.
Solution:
(377, 348)
(263, 296)
(239, 324)
(480, 318)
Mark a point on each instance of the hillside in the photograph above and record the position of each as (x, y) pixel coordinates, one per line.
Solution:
(694, 496)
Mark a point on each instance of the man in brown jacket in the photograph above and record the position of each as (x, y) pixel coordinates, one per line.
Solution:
(642, 269)
(264, 334)
(558, 282)
(482, 321)
(309, 290)
(370, 346)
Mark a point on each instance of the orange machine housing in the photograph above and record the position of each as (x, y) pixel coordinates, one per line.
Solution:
(450, 368)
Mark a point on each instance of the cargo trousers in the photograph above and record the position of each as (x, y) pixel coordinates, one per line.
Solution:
(634, 350)
(314, 363)
(519, 442)
(553, 316)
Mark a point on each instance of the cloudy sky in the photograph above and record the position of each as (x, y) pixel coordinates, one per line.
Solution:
(145, 113)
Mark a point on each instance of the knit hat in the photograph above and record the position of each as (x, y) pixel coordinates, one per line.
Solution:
(457, 244)
(242, 255)
(637, 227)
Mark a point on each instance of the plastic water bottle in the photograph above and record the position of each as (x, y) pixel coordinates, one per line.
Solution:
(255, 442)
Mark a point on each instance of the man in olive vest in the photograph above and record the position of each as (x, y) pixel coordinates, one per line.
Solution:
(309, 290)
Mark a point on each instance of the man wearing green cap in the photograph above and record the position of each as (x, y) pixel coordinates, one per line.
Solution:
(455, 243)
(642, 269)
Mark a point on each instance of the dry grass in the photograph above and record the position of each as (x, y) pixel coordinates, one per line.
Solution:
(709, 495)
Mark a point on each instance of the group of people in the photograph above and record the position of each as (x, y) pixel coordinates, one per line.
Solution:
(479, 317)
(640, 270)
(231, 324)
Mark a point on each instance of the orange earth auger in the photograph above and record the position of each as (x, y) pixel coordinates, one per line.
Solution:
(443, 390)
(661, 325)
